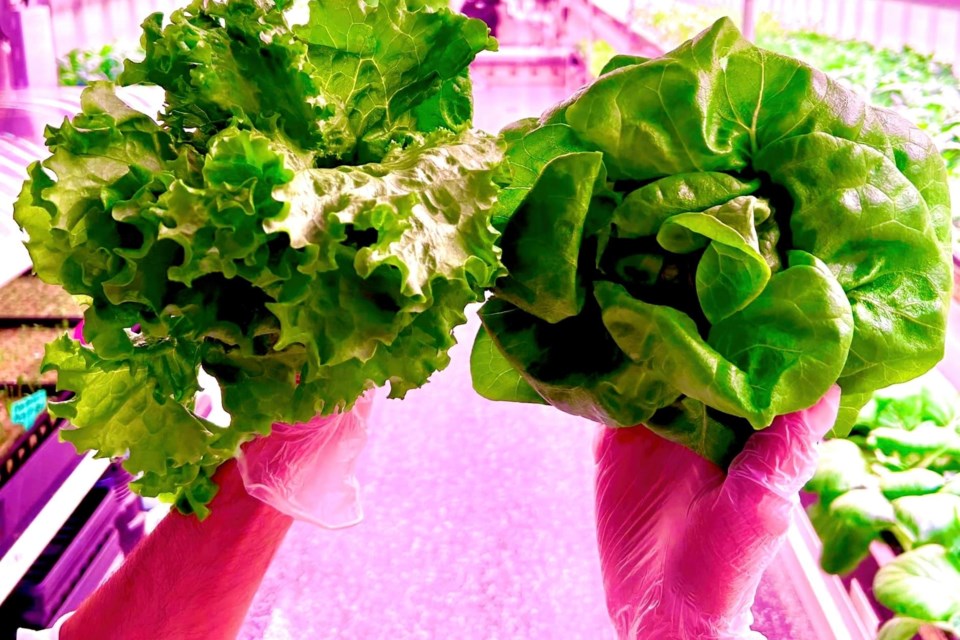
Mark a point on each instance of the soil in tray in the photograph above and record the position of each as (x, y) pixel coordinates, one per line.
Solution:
(21, 352)
(30, 297)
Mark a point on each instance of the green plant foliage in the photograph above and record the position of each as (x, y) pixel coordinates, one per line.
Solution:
(703, 241)
(81, 67)
(922, 587)
(307, 221)
(897, 475)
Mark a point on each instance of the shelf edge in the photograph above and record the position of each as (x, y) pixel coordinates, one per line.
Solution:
(38, 534)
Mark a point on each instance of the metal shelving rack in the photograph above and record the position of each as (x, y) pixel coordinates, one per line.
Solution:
(41, 530)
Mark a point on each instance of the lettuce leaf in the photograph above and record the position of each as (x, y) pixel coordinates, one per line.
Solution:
(703, 241)
(922, 586)
(306, 221)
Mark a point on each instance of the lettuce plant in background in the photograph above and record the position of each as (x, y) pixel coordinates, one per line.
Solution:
(706, 240)
(79, 67)
(896, 479)
(922, 588)
(308, 220)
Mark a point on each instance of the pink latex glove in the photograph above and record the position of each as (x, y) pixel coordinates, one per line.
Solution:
(307, 471)
(683, 545)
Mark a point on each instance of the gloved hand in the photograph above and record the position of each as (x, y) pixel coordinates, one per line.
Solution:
(307, 470)
(682, 544)
(303, 470)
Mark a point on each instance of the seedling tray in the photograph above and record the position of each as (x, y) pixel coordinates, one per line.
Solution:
(51, 579)
(76, 560)
(21, 353)
(28, 300)
(25, 444)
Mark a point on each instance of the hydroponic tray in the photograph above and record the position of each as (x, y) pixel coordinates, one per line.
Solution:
(30, 540)
(81, 554)
(27, 300)
(48, 583)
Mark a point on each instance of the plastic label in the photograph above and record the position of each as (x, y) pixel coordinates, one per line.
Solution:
(25, 411)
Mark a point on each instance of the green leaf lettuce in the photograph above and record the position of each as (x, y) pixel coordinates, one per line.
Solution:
(306, 221)
(703, 241)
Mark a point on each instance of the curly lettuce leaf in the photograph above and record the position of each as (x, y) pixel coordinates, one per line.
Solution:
(346, 82)
(380, 61)
(301, 237)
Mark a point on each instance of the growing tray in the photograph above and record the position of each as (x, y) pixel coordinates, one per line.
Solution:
(16, 454)
(50, 581)
(21, 353)
(76, 560)
(29, 300)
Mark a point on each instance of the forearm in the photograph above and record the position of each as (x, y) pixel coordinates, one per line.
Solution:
(189, 579)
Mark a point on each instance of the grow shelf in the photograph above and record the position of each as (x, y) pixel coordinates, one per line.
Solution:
(35, 537)
(84, 551)
(28, 300)
(21, 352)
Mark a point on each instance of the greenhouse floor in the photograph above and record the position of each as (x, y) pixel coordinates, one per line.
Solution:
(479, 525)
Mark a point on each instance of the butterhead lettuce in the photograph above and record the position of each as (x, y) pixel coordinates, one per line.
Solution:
(307, 220)
(703, 241)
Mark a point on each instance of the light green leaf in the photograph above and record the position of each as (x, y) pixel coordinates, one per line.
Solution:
(923, 584)
(911, 482)
(932, 518)
(377, 62)
(496, 378)
(732, 272)
(307, 221)
(645, 209)
(899, 629)
(848, 525)
(893, 257)
(841, 467)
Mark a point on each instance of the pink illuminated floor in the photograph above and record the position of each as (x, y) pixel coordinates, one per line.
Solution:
(479, 516)
(479, 526)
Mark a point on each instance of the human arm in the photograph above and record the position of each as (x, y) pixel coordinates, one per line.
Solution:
(196, 579)
(189, 579)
